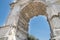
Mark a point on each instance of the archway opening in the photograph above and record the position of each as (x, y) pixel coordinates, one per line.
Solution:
(39, 27)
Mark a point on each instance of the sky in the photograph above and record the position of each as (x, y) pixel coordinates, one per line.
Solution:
(38, 25)
(4, 10)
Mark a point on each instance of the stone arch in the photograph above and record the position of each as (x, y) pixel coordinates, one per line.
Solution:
(21, 14)
(30, 10)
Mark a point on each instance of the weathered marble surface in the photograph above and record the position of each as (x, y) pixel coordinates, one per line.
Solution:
(23, 10)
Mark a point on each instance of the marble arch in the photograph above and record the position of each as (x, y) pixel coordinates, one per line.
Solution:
(33, 9)
(30, 10)
(16, 26)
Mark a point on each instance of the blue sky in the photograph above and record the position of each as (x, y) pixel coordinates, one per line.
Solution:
(38, 27)
(4, 10)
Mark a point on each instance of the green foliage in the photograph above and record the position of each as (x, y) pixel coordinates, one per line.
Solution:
(30, 37)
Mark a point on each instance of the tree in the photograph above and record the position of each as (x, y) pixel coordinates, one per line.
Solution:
(30, 37)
